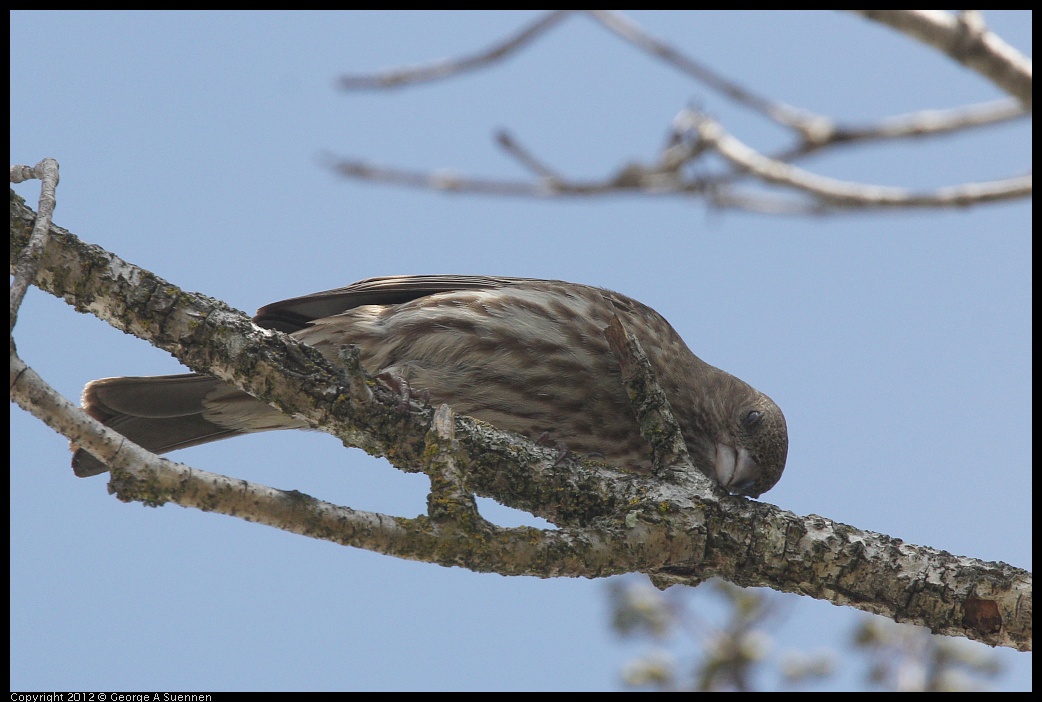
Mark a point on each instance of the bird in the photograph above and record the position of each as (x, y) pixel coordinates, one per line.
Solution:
(523, 354)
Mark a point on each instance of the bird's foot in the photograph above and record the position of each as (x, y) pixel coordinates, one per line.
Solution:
(394, 379)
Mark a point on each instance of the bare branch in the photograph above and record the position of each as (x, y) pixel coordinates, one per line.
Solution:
(446, 68)
(34, 395)
(630, 178)
(669, 175)
(524, 156)
(833, 195)
(25, 269)
(923, 123)
(847, 194)
(440, 180)
(622, 26)
(965, 39)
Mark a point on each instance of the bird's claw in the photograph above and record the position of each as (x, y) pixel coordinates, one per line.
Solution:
(394, 380)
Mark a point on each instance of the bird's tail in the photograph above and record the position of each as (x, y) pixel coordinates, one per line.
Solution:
(164, 413)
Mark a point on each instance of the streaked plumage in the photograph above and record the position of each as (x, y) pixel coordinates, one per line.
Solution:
(525, 355)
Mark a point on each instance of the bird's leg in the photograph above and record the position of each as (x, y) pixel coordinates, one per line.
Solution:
(394, 378)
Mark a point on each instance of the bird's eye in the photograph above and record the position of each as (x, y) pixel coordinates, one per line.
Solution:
(752, 419)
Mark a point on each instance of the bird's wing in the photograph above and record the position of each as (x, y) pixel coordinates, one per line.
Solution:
(295, 313)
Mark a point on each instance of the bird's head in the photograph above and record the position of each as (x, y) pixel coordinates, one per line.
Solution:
(751, 446)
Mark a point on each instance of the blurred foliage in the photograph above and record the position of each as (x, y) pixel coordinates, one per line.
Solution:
(910, 659)
(687, 651)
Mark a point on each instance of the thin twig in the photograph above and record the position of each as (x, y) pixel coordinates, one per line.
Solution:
(446, 68)
(437, 180)
(25, 269)
(849, 194)
(667, 175)
(625, 28)
(923, 123)
(524, 156)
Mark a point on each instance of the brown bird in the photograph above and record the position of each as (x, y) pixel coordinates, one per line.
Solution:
(525, 355)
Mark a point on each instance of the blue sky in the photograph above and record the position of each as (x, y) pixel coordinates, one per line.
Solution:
(898, 344)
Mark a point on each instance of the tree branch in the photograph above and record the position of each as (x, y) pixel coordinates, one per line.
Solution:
(846, 193)
(622, 26)
(444, 538)
(446, 68)
(611, 522)
(25, 268)
(914, 125)
(965, 39)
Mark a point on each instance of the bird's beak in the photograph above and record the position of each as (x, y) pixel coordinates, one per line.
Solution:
(736, 471)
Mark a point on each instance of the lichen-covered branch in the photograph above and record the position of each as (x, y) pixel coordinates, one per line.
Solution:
(208, 336)
(655, 417)
(609, 522)
(449, 536)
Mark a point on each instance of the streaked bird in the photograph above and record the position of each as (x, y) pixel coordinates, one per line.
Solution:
(525, 355)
